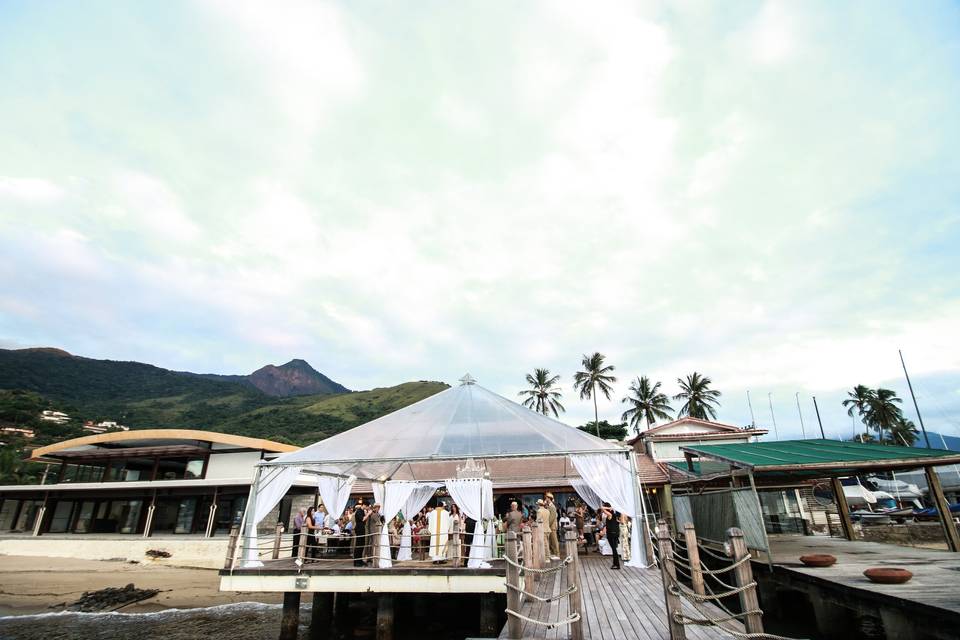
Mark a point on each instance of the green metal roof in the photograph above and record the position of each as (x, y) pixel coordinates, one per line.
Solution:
(826, 455)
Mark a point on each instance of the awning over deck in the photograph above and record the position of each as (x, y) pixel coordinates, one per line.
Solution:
(816, 458)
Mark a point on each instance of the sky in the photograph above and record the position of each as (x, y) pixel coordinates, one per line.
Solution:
(767, 193)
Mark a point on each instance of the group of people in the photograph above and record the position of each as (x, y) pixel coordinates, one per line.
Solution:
(445, 535)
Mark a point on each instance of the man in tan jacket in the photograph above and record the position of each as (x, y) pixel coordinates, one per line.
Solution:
(552, 538)
(543, 518)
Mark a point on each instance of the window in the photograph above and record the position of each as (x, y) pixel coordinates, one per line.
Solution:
(185, 514)
(28, 515)
(125, 515)
(7, 510)
(84, 517)
(61, 516)
(194, 469)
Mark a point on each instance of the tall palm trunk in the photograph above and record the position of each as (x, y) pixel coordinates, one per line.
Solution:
(596, 414)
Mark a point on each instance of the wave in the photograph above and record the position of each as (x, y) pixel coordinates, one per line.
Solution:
(223, 609)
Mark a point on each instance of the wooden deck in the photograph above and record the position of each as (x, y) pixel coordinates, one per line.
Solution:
(617, 605)
(935, 573)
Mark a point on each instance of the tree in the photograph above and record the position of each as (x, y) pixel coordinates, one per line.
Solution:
(14, 469)
(699, 400)
(544, 395)
(857, 401)
(605, 430)
(882, 412)
(648, 404)
(904, 433)
(594, 376)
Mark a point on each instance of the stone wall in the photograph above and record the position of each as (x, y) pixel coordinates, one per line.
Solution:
(205, 553)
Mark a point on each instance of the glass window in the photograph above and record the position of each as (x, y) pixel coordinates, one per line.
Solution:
(7, 511)
(125, 515)
(194, 469)
(28, 515)
(188, 508)
(61, 516)
(84, 517)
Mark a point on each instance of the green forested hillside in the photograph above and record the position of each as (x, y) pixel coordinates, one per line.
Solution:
(144, 396)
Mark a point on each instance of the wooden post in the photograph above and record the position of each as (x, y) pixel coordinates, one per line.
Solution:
(302, 551)
(744, 576)
(943, 509)
(843, 509)
(666, 503)
(693, 554)
(290, 622)
(574, 600)
(385, 616)
(488, 615)
(513, 580)
(528, 582)
(669, 574)
(321, 616)
(276, 541)
(536, 541)
(232, 546)
(342, 626)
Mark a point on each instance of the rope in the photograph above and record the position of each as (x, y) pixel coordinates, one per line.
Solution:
(678, 589)
(523, 568)
(532, 596)
(705, 622)
(725, 558)
(710, 572)
(677, 615)
(549, 625)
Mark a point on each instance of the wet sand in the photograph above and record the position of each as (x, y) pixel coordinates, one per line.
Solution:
(40, 585)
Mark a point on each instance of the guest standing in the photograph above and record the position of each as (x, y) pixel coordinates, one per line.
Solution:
(613, 532)
(359, 534)
(297, 527)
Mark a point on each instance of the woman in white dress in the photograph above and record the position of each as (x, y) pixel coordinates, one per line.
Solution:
(624, 546)
(455, 546)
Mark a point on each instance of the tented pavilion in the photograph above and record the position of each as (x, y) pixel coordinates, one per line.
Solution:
(407, 455)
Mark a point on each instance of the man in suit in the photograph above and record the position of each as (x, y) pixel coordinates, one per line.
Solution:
(552, 539)
(298, 521)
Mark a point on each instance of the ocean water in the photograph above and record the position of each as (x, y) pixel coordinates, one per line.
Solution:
(451, 617)
(240, 621)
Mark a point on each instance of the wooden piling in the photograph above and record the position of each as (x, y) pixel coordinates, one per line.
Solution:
(513, 580)
(290, 622)
(528, 581)
(385, 616)
(232, 546)
(488, 615)
(669, 574)
(943, 509)
(693, 555)
(341, 613)
(276, 541)
(321, 616)
(843, 509)
(743, 575)
(575, 599)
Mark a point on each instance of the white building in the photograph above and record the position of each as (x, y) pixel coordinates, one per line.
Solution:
(54, 416)
(663, 442)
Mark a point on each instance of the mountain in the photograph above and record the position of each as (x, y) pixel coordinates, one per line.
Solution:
(296, 378)
(142, 396)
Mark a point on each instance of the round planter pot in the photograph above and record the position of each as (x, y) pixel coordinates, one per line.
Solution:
(888, 575)
(818, 560)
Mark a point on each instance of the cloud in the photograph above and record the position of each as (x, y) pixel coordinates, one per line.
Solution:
(35, 191)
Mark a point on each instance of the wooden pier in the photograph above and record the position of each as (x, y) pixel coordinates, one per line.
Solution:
(617, 605)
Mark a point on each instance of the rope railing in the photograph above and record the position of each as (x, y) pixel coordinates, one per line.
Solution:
(525, 569)
(553, 598)
(549, 625)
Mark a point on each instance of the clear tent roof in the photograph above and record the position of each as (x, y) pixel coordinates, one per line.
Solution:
(467, 421)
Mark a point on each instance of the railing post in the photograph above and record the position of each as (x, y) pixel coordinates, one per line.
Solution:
(536, 539)
(669, 574)
(302, 551)
(744, 576)
(693, 555)
(528, 583)
(276, 541)
(573, 581)
(232, 546)
(513, 583)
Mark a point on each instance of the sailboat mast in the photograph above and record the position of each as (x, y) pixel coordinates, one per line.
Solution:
(915, 406)
(803, 429)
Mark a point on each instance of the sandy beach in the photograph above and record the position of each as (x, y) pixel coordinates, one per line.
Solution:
(37, 585)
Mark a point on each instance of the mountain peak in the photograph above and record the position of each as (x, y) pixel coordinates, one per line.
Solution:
(295, 378)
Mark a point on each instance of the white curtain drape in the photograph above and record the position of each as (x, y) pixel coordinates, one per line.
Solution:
(394, 494)
(404, 553)
(611, 477)
(335, 491)
(586, 493)
(378, 490)
(272, 485)
(474, 496)
(420, 496)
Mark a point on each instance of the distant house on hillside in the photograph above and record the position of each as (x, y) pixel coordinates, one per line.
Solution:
(103, 427)
(17, 431)
(58, 417)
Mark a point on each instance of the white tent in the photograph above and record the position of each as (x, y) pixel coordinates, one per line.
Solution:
(466, 422)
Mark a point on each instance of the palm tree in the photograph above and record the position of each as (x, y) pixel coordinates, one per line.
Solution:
(647, 404)
(881, 413)
(543, 396)
(594, 376)
(904, 433)
(699, 399)
(857, 401)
